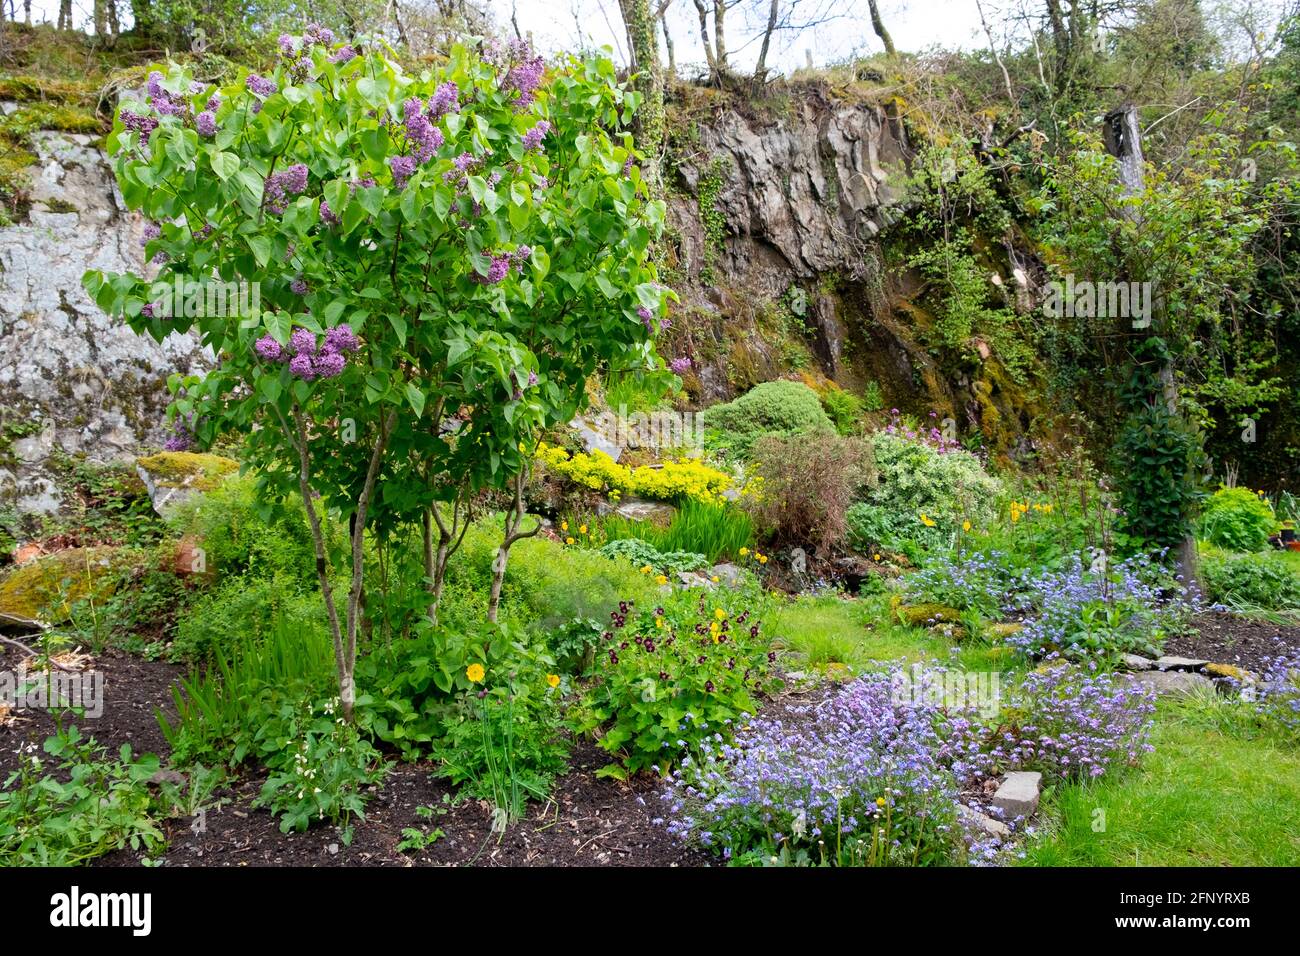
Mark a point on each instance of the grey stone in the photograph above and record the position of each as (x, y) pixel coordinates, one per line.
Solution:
(1168, 663)
(694, 579)
(597, 434)
(983, 821)
(93, 385)
(638, 509)
(1173, 682)
(1136, 662)
(729, 574)
(1017, 796)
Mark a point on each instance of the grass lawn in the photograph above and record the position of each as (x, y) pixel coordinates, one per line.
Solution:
(1203, 798)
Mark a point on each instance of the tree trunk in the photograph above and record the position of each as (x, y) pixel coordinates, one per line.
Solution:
(65, 15)
(514, 521)
(760, 68)
(644, 47)
(668, 45)
(878, 25)
(1122, 136)
(709, 56)
(720, 34)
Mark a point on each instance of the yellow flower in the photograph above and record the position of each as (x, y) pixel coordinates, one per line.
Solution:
(1015, 516)
(647, 569)
(880, 801)
(875, 557)
(1047, 508)
(582, 529)
(744, 552)
(965, 526)
(553, 680)
(659, 622)
(564, 526)
(720, 614)
(762, 559)
(927, 520)
(715, 579)
(569, 540)
(661, 579)
(475, 673)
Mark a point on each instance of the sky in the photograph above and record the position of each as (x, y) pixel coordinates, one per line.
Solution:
(914, 25)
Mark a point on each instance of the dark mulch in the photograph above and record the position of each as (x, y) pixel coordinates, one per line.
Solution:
(587, 822)
(133, 687)
(1231, 639)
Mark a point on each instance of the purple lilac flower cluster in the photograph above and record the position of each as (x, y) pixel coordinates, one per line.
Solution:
(501, 263)
(181, 439)
(261, 87)
(162, 101)
(307, 358)
(523, 68)
(680, 365)
(423, 138)
(281, 185)
(533, 138)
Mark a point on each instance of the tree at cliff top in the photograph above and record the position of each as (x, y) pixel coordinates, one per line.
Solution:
(443, 259)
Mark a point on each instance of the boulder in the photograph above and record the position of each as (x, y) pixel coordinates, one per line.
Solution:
(730, 575)
(1136, 662)
(1004, 629)
(1173, 682)
(173, 477)
(1017, 796)
(639, 509)
(925, 615)
(983, 821)
(47, 587)
(1169, 663)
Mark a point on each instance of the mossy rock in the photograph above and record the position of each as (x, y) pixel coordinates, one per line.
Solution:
(1003, 630)
(925, 615)
(172, 477)
(1228, 670)
(45, 589)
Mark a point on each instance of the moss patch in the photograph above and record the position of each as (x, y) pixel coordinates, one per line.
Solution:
(48, 587)
(187, 469)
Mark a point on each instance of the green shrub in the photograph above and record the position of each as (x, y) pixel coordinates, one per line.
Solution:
(243, 606)
(805, 484)
(871, 527)
(673, 679)
(1238, 519)
(641, 554)
(948, 486)
(240, 535)
(1251, 580)
(781, 407)
(844, 410)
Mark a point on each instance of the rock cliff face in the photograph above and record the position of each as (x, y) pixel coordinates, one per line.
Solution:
(790, 213)
(71, 378)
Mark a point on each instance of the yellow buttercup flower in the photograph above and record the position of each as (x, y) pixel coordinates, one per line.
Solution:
(965, 525)
(880, 801)
(744, 552)
(564, 526)
(659, 622)
(553, 680)
(875, 557)
(715, 579)
(661, 579)
(475, 672)
(647, 569)
(582, 529)
(762, 559)
(569, 540)
(720, 614)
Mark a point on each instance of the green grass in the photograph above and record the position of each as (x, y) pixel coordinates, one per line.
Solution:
(1204, 798)
(717, 531)
(862, 634)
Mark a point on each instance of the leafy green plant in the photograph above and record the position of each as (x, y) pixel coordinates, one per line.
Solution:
(321, 766)
(947, 484)
(1238, 519)
(671, 679)
(1250, 581)
(89, 805)
(421, 838)
(647, 557)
